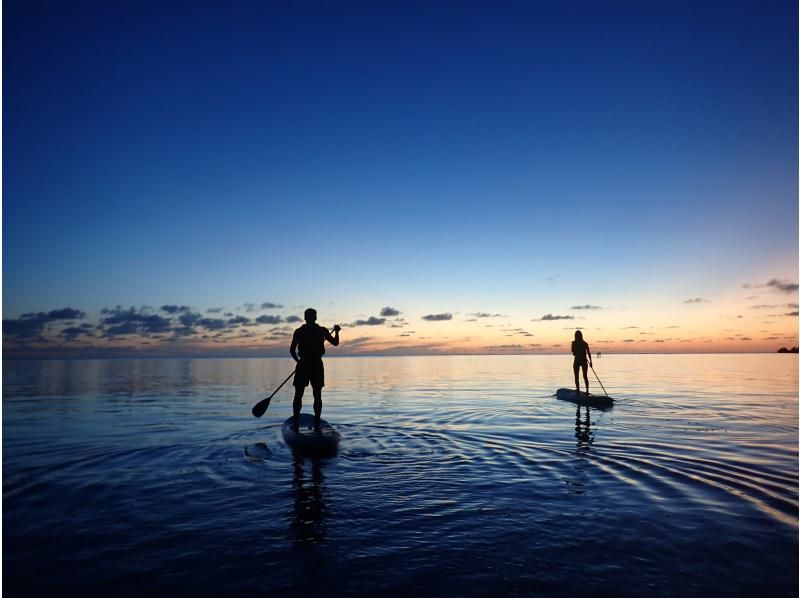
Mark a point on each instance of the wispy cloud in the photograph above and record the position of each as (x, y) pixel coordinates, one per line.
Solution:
(251, 307)
(483, 314)
(552, 318)
(438, 317)
(697, 300)
(389, 312)
(587, 306)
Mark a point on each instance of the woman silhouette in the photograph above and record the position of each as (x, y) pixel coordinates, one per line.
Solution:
(580, 349)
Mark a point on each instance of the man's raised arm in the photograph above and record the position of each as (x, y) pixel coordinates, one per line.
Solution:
(334, 340)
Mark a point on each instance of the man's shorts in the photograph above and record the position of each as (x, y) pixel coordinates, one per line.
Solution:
(310, 371)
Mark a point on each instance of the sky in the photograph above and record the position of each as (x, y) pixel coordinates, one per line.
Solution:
(185, 178)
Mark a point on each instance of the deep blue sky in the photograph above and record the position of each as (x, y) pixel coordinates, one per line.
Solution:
(364, 154)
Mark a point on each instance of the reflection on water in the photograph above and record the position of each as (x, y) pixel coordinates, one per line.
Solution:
(583, 429)
(464, 473)
(308, 524)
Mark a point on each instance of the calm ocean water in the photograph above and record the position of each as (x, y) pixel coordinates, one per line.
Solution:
(455, 476)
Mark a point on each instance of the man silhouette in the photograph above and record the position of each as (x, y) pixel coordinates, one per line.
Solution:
(310, 339)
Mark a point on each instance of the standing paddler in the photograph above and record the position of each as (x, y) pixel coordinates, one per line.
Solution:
(309, 342)
(580, 349)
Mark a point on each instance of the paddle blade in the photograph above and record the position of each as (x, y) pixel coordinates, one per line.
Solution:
(261, 407)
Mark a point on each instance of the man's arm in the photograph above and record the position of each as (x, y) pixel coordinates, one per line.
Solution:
(293, 348)
(334, 340)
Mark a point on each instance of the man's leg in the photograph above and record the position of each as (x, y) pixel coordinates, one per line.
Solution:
(297, 405)
(317, 404)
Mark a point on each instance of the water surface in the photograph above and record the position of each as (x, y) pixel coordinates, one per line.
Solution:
(456, 475)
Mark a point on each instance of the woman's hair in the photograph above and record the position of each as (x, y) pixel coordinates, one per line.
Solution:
(578, 335)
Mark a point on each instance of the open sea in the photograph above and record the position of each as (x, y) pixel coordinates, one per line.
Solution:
(455, 476)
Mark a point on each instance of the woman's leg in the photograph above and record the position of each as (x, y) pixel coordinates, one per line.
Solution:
(575, 367)
(586, 376)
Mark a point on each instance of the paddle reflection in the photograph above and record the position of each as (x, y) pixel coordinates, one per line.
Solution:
(308, 525)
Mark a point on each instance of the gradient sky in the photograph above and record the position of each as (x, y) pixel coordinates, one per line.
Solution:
(504, 163)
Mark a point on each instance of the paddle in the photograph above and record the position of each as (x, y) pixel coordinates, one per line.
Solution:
(598, 380)
(261, 407)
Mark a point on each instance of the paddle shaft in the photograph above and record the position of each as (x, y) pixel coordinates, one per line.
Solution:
(261, 407)
(598, 380)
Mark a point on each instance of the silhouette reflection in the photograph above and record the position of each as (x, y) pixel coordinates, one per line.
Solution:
(583, 430)
(308, 524)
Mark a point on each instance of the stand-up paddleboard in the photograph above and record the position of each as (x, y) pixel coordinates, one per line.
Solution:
(309, 439)
(570, 394)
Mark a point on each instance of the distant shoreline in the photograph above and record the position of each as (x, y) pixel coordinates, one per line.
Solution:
(333, 356)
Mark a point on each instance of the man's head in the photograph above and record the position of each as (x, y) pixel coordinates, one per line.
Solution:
(310, 315)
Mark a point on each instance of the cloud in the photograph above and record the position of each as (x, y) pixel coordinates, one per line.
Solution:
(782, 285)
(175, 309)
(696, 300)
(372, 321)
(271, 319)
(389, 312)
(483, 314)
(251, 307)
(438, 317)
(66, 313)
(587, 306)
(214, 310)
(31, 325)
(551, 318)
(776, 284)
(791, 314)
(73, 332)
(130, 321)
(293, 319)
(122, 329)
(238, 320)
(190, 320)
